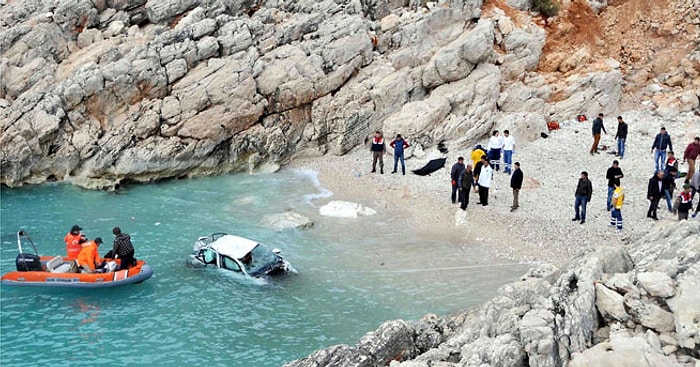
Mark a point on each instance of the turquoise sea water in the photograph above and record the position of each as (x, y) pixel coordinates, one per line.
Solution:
(352, 276)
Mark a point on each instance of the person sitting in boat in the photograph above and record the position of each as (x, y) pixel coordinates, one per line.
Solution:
(123, 248)
(72, 240)
(89, 259)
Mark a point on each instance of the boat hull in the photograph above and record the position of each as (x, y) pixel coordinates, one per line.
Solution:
(135, 274)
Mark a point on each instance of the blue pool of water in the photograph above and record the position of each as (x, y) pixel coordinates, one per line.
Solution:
(352, 276)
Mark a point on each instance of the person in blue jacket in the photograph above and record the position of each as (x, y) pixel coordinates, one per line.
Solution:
(399, 144)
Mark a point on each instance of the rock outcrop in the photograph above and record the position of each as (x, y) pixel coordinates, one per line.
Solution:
(608, 307)
(100, 93)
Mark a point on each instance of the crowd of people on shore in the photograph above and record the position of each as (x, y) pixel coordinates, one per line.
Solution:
(84, 257)
(477, 176)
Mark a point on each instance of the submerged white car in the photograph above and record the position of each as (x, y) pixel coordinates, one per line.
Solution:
(238, 254)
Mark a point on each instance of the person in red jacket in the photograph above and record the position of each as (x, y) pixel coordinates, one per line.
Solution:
(72, 240)
(692, 151)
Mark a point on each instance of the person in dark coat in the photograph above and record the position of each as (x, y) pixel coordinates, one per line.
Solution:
(466, 182)
(596, 128)
(456, 171)
(614, 174)
(516, 183)
(584, 192)
(655, 191)
(123, 248)
(621, 136)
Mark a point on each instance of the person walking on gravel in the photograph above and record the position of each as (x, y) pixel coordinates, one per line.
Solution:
(596, 128)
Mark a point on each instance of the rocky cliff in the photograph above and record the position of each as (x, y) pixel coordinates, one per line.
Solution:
(635, 306)
(99, 92)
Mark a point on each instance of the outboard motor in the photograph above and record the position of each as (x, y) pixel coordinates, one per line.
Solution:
(28, 262)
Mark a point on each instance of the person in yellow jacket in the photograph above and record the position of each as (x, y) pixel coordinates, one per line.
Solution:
(88, 258)
(618, 198)
(477, 153)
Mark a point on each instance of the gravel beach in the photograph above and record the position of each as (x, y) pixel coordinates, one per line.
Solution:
(541, 230)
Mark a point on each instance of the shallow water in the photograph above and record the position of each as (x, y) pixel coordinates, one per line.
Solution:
(352, 276)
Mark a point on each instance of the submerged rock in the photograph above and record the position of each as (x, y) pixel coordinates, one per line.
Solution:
(286, 220)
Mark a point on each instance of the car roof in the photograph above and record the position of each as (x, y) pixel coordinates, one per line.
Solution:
(233, 246)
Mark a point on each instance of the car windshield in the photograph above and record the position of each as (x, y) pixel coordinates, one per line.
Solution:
(262, 259)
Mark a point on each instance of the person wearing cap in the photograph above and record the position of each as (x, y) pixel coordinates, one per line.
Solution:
(89, 258)
(72, 241)
(685, 202)
(621, 136)
(692, 151)
(662, 141)
(123, 249)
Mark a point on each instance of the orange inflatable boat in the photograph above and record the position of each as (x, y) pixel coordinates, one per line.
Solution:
(47, 271)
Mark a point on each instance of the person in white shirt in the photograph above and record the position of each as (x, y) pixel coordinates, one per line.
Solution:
(494, 153)
(508, 148)
(485, 183)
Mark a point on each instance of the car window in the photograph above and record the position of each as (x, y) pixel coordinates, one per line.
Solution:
(230, 264)
(209, 256)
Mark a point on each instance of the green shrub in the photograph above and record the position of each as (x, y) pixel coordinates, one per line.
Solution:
(547, 8)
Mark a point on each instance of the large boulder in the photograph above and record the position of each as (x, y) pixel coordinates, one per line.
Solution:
(623, 350)
(657, 284)
(610, 304)
(685, 308)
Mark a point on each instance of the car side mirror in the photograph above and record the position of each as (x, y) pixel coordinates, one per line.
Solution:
(276, 250)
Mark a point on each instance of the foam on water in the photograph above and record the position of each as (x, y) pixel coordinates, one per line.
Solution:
(312, 176)
(352, 276)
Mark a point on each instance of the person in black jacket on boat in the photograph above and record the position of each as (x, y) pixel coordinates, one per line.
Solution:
(123, 248)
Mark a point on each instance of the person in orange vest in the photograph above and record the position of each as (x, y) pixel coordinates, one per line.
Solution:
(89, 259)
(72, 240)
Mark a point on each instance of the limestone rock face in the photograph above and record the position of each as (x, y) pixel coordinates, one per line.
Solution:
(99, 92)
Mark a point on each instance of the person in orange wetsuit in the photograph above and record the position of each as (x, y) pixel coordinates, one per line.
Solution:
(89, 259)
(72, 240)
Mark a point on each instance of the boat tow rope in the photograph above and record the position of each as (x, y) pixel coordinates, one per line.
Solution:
(420, 270)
